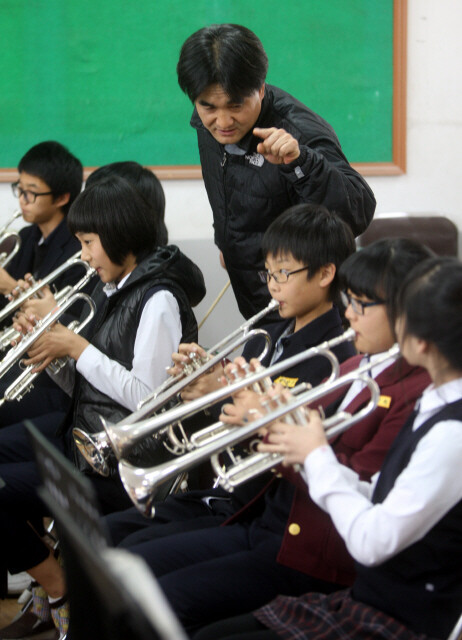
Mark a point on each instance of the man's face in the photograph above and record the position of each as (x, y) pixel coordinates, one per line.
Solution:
(228, 121)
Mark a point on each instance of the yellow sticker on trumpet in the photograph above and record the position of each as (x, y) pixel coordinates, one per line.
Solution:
(384, 402)
(286, 382)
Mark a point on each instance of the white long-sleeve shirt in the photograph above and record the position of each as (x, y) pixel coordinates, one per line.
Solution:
(426, 489)
(158, 336)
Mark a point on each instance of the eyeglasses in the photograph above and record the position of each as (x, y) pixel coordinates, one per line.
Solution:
(280, 276)
(358, 306)
(29, 196)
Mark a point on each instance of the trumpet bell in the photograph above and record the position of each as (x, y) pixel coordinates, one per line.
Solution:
(95, 448)
(138, 488)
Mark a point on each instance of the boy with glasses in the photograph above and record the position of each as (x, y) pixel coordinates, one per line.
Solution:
(50, 178)
(302, 276)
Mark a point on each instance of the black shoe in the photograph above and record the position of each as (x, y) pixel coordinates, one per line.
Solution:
(27, 625)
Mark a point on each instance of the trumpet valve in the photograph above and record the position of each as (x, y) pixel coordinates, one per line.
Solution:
(94, 448)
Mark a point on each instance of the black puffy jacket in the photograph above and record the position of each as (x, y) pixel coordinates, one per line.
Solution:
(115, 326)
(247, 193)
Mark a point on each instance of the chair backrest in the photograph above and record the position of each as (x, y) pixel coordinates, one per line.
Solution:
(112, 593)
(437, 232)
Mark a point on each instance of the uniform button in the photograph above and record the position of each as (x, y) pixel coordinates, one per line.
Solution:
(294, 529)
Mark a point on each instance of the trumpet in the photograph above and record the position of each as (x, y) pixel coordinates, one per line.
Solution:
(95, 447)
(141, 484)
(24, 382)
(116, 440)
(10, 333)
(175, 384)
(73, 261)
(7, 256)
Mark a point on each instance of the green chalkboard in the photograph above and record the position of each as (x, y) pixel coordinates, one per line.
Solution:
(99, 75)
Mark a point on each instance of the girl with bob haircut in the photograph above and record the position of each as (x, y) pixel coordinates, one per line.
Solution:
(404, 528)
(143, 303)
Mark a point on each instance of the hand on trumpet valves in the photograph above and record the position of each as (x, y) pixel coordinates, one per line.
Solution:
(191, 356)
(21, 286)
(295, 441)
(40, 306)
(59, 342)
(23, 323)
(247, 403)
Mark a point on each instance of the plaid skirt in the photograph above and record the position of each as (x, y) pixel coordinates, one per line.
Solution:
(331, 617)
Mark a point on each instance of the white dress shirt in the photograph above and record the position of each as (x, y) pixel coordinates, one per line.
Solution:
(158, 336)
(424, 492)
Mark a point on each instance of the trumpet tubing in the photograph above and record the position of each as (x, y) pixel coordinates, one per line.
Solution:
(126, 434)
(32, 291)
(24, 382)
(95, 448)
(141, 483)
(6, 257)
(16, 214)
(175, 384)
(10, 333)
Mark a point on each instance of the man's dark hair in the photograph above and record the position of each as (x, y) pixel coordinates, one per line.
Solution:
(113, 208)
(226, 54)
(378, 270)
(313, 235)
(147, 184)
(57, 167)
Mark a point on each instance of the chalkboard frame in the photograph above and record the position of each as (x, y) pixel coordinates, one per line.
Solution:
(398, 164)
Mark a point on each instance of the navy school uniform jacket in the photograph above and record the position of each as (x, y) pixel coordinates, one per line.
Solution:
(56, 249)
(313, 371)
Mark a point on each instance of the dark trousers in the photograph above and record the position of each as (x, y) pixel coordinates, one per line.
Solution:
(244, 627)
(178, 513)
(45, 398)
(218, 572)
(21, 510)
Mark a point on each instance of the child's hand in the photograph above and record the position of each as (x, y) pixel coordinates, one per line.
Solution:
(58, 342)
(209, 381)
(295, 442)
(40, 307)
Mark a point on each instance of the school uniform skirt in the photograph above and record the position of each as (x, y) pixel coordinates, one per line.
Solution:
(331, 617)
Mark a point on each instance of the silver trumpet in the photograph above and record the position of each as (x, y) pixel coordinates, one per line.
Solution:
(10, 334)
(141, 484)
(24, 382)
(32, 291)
(7, 256)
(96, 448)
(117, 439)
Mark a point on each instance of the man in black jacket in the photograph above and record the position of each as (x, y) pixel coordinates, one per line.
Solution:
(261, 151)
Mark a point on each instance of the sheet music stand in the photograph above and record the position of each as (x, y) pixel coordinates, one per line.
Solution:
(112, 593)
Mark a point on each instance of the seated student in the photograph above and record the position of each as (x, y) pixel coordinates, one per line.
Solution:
(405, 527)
(50, 178)
(142, 309)
(259, 549)
(308, 317)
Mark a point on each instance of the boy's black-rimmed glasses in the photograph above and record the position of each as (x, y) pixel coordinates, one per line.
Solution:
(29, 196)
(280, 276)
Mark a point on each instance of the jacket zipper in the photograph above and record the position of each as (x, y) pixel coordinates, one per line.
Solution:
(224, 163)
